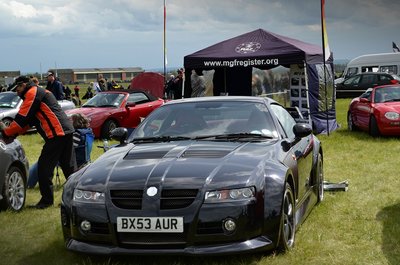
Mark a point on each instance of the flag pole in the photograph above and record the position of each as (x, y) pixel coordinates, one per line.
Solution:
(324, 47)
(165, 43)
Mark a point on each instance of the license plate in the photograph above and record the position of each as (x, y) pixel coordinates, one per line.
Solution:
(150, 224)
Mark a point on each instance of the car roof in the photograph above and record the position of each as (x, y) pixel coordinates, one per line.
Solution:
(222, 98)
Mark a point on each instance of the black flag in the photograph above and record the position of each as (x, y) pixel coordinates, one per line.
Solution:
(395, 47)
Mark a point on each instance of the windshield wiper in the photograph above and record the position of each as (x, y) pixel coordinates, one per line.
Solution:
(234, 136)
(88, 106)
(160, 139)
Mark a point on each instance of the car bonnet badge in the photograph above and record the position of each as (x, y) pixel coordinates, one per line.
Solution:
(151, 191)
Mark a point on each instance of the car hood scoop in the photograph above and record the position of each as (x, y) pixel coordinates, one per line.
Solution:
(180, 164)
(191, 152)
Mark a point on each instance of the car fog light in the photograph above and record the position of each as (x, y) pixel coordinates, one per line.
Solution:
(229, 225)
(85, 226)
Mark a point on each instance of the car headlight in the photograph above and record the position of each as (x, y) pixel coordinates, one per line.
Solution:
(88, 196)
(229, 195)
(392, 115)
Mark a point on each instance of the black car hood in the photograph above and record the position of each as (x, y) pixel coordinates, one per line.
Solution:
(181, 164)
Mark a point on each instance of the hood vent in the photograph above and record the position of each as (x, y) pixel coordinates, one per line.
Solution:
(146, 155)
(205, 153)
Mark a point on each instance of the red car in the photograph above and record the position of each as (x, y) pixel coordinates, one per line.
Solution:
(117, 108)
(376, 111)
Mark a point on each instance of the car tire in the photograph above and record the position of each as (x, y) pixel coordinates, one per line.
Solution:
(107, 127)
(7, 121)
(350, 123)
(14, 190)
(319, 174)
(288, 223)
(373, 127)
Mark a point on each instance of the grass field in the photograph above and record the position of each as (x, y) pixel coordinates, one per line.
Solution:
(360, 226)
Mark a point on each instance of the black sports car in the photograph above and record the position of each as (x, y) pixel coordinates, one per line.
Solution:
(211, 175)
(13, 174)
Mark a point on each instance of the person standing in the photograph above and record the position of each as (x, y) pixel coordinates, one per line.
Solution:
(41, 109)
(178, 84)
(54, 86)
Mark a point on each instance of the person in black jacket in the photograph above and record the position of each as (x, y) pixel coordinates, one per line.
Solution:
(41, 109)
(55, 86)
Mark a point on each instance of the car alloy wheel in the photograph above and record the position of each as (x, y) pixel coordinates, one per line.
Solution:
(14, 190)
(288, 225)
(320, 178)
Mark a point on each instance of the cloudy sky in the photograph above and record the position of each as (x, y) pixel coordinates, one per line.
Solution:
(36, 35)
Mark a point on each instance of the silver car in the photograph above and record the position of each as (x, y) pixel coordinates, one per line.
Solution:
(10, 103)
(13, 175)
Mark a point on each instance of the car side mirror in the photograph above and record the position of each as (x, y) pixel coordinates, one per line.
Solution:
(120, 134)
(302, 130)
(130, 104)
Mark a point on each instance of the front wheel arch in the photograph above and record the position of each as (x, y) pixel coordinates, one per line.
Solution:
(107, 127)
(373, 127)
(288, 223)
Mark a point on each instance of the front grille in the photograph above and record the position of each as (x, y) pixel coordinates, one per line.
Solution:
(177, 199)
(170, 198)
(127, 199)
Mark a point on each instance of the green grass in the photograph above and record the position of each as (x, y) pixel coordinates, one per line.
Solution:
(360, 226)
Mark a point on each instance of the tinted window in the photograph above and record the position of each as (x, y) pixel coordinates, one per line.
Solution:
(368, 79)
(352, 80)
(285, 119)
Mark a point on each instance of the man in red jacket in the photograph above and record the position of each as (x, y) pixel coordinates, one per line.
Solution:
(41, 109)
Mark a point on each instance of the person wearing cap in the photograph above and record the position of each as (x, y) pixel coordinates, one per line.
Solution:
(41, 109)
(54, 86)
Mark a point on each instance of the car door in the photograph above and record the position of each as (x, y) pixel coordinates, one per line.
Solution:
(138, 107)
(367, 81)
(361, 110)
(301, 149)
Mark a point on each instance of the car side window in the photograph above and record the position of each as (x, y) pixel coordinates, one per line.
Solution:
(368, 79)
(138, 98)
(352, 80)
(391, 69)
(285, 119)
(385, 78)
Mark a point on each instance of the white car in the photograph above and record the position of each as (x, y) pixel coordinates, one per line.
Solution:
(10, 103)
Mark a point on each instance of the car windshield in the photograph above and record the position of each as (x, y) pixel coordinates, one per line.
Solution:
(207, 119)
(387, 94)
(9, 100)
(105, 100)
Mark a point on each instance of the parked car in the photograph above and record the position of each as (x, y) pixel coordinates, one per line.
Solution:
(355, 85)
(111, 109)
(209, 175)
(13, 175)
(376, 111)
(10, 103)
